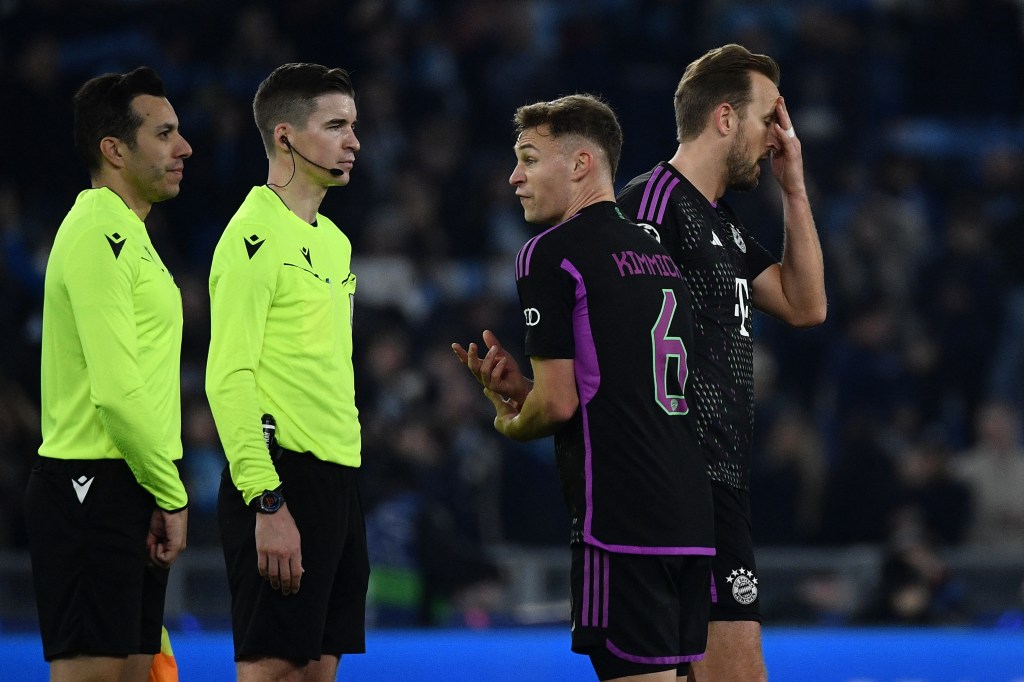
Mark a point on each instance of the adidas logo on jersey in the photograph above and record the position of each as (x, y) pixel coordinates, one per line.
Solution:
(715, 241)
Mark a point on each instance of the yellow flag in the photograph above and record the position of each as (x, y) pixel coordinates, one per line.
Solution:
(164, 668)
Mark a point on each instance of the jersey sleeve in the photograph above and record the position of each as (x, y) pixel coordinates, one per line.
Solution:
(547, 294)
(757, 258)
(100, 287)
(242, 288)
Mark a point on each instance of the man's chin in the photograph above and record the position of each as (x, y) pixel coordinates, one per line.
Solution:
(745, 185)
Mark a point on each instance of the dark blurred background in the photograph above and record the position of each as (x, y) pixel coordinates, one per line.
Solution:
(889, 468)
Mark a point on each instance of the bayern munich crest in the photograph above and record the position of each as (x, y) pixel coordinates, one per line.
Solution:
(744, 586)
(738, 238)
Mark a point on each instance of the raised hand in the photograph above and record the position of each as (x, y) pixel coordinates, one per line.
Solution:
(497, 370)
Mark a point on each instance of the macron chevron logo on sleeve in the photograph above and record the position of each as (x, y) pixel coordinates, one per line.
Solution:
(306, 254)
(82, 485)
(253, 244)
(116, 242)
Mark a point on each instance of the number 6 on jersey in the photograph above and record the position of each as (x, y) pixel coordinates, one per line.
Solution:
(669, 354)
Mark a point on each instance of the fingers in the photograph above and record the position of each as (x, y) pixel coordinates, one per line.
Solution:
(784, 129)
(496, 377)
(176, 526)
(157, 553)
(269, 568)
(283, 573)
(782, 114)
(468, 357)
(279, 550)
(481, 368)
(167, 537)
(494, 397)
(460, 353)
(502, 404)
(490, 338)
(263, 565)
(159, 556)
(487, 364)
(291, 575)
(274, 572)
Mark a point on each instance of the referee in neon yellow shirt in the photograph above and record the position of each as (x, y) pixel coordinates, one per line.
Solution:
(281, 294)
(105, 506)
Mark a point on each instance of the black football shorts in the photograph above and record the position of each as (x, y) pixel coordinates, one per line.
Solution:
(96, 592)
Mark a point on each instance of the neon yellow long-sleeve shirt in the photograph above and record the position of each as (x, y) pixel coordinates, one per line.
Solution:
(281, 296)
(111, 347)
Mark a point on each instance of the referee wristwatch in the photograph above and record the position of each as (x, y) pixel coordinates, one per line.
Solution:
(269, 501)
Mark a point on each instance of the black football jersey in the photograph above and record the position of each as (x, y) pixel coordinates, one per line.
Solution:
(719, 260)
(599, 290)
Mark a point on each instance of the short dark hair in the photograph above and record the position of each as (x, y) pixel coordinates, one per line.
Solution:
(103, 108)
(582, 114)
(719, 75)
(289, 95)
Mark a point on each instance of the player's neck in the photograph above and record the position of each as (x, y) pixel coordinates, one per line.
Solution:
(702, 166)
(117, 184)
(300, 196)
(590, 194)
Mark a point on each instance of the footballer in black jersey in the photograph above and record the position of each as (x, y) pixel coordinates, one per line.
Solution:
(729, 118)
(719, 259)
(608, 324)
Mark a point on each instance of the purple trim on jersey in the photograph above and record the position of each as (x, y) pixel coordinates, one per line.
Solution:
(651, 660)
(605, 588)
(656, 197)
(647, 190)
(595, 587)
(664, 198)
(588, 379)
(526, 253)
(588, 537)
(586, 586)
(714, 204)
(714, 590)
(588, 374)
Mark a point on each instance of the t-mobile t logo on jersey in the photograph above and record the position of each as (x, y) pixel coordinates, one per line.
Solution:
(742, 308)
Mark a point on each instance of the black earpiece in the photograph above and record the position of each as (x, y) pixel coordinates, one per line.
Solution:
(336, 172)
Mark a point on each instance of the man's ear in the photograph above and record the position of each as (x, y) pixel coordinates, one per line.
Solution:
(281, 139)
(582, 163)
(726, 119)
(110, 148)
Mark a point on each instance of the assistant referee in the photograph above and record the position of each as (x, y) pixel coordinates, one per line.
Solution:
(281, 293)
(105, 506)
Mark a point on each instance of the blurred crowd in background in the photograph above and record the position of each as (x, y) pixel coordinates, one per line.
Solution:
(897, 422)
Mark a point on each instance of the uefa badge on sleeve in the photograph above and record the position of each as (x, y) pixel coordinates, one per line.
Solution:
(744, 586)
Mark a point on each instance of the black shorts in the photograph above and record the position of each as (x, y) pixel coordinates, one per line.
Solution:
(328, 614)
(734, 585)
(650, 612)
(96, 592)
